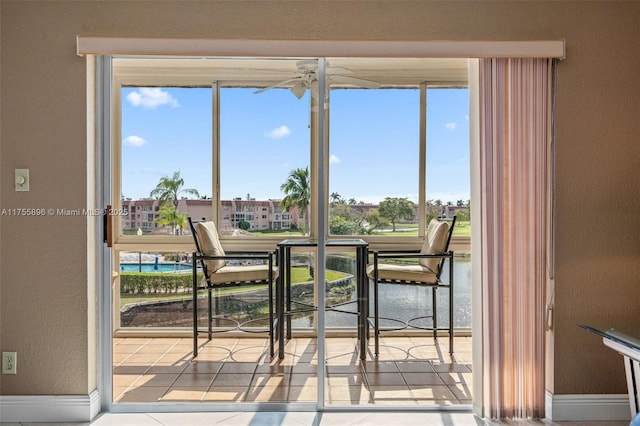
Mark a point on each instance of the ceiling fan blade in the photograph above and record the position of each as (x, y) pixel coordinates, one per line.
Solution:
(298, 89)
(338, 70)
(280, 84)
(311, 66)
(368, 84)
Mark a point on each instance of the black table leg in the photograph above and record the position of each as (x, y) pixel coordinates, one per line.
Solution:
(280, 300)
(287, 260)
(363, 300)
(451, 305)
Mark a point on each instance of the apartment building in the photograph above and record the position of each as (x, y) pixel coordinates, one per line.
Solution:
(258, 215)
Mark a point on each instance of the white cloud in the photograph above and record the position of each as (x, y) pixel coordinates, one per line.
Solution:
(279, 132)
(333, 159)
(134, 141)
(151, 97)
(451, 125)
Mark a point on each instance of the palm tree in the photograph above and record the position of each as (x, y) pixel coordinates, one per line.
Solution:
(168, 215)
(297, 191)
(169, 189)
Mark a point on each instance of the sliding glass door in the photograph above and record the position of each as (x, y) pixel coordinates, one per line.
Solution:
(332, 156)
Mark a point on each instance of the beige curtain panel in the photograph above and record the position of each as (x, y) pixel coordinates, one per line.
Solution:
(514, 145)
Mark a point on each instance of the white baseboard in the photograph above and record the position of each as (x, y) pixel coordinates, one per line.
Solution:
(587, 407)
(49, 408)
(83, 408)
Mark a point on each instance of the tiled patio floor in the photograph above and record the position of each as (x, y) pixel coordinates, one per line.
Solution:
(408, 371)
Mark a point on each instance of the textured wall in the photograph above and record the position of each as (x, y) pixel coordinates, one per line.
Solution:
(44, 307)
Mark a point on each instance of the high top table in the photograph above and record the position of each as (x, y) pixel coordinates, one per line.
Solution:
(283, 289)
(625, 339)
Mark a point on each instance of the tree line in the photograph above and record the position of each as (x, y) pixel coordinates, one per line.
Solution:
(345, 216)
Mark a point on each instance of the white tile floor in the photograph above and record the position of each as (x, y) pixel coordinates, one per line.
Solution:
(309, 419)
(414, 371)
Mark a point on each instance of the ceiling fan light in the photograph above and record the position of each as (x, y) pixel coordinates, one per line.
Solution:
(298, 90)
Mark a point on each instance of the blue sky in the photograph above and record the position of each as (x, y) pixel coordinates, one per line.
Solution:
(373, 141)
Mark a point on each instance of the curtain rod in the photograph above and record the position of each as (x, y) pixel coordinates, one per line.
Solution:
(198, 47)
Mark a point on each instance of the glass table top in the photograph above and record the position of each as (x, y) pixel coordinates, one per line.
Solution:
(625, 334)
(354, 242)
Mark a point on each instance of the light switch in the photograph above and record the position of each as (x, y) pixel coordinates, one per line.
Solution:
(22, 179)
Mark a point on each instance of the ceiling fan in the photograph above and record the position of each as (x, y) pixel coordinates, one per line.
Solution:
(306, 77)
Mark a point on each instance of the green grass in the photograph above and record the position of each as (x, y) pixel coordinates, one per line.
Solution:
(462, 229)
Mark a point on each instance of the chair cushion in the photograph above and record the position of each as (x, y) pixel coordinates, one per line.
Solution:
(242, 274)
(207, 235)
(393, 272)
(435, 242)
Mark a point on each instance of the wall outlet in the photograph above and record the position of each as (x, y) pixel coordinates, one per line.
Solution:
(9, 362)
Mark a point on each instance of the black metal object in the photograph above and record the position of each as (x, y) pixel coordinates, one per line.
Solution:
(285, 303)
(434, 285)
(200, 257)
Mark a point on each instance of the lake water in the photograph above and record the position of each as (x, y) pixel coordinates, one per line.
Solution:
(403, 302)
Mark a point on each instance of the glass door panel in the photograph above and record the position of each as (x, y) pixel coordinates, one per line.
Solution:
(223, 152)
(165, 159)
(264, 159)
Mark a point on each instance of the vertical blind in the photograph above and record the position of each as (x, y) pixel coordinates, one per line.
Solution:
(514, 143)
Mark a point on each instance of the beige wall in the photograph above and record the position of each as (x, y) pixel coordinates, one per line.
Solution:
(45, 306)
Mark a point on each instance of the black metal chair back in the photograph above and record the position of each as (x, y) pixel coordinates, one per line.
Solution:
(205, 271)
(446, 247)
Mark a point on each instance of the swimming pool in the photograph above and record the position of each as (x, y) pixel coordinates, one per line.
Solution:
(151, 267)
